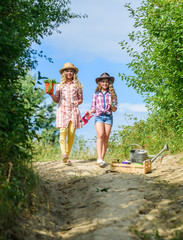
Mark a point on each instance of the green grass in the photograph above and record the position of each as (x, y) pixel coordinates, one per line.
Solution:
(17, 185)
(150, 135)
(44, 152)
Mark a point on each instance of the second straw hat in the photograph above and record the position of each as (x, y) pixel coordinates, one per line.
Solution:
(68, 66)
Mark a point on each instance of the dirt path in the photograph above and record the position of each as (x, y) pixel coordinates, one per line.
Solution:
(86, 202)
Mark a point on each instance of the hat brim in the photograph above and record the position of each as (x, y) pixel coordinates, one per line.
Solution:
(100, 78)
(74, 68)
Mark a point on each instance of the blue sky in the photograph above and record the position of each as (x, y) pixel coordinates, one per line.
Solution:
(92, 45)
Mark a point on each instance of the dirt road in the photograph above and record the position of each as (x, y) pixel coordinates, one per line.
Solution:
(86, 202)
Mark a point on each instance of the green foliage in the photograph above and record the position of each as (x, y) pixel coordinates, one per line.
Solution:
(17, 178)
(157, 66)
(22, 23)
(21, 116)
(51, 82)
(25, 22)
(17, 182)
(150, 134)
(102, 190)
(46, 151)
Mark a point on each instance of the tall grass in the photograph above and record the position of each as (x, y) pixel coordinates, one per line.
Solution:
(82, 149)
(17, 183)
(44, 152)
(151, 134)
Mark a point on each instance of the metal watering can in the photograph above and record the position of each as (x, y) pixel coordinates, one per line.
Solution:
(140, 155)
(136, 155)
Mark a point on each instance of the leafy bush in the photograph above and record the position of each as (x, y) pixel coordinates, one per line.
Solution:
(22, 23)
(17, 182)
(157, 67)
(151, 134)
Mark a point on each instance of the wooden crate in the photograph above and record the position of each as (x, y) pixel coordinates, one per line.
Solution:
(131, 168)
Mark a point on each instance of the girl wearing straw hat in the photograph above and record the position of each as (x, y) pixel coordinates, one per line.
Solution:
(68, 95)
(104, 102)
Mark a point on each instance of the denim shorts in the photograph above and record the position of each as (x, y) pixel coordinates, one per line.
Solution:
(104, 118)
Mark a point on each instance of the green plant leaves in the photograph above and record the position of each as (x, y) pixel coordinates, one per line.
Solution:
(157, 66)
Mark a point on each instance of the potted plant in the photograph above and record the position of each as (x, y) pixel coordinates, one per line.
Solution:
(49, 85)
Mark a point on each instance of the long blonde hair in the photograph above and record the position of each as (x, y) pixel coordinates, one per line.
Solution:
(110, 89)
(75, 79)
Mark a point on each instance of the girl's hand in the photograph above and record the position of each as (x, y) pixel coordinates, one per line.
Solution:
(75, 103)
(113, 107)
(112, 104)
(88, 114)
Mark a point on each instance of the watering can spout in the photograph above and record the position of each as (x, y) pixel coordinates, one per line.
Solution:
(166, 148)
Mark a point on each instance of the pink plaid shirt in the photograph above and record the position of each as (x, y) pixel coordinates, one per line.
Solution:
(100, 103)
(66, 110)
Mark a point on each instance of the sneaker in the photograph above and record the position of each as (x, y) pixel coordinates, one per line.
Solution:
(99, 161)
(103, 164)
(65, 157)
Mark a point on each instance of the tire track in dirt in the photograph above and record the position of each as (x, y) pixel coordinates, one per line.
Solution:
(84, 202)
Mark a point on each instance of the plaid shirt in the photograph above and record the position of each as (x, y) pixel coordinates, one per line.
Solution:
(66, 110)
(100, 103)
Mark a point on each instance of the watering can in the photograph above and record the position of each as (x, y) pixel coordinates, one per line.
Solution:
(140, 155)
(137, 155)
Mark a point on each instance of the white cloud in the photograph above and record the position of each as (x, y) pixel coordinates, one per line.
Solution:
(108, 23)
(123, 107)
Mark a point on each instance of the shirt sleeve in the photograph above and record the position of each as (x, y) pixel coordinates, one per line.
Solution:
(80, 94)
(93, 106)
(57, 93)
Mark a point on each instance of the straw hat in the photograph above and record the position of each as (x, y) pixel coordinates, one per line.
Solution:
(68, 66)
(104, 75)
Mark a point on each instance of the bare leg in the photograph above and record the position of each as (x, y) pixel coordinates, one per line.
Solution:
(100, 138)
(107, 131)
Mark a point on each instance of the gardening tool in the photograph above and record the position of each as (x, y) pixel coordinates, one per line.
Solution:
(137, 155)
(166, 148)
(84, 119)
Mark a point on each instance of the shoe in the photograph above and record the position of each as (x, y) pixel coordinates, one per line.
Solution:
(68, 163)
(65, 157)
(103, 164)
(99, 161)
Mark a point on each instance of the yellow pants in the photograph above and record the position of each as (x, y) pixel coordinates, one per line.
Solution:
(67, 138)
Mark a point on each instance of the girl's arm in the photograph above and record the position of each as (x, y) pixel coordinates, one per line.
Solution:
(113, 108)
(113, 105)
(54, 98)
(80, 97)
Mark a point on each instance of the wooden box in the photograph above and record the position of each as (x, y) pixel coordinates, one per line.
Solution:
(131, 168)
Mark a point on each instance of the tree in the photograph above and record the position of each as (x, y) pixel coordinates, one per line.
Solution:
(158, 66)
(25, 22)
(22, 23)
